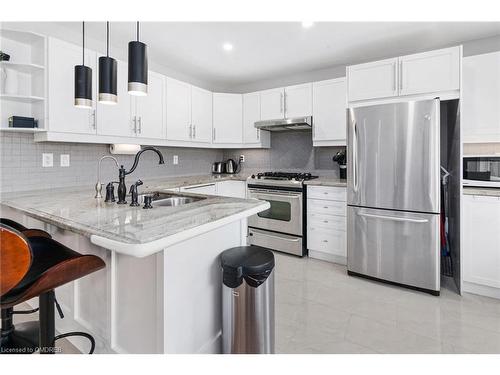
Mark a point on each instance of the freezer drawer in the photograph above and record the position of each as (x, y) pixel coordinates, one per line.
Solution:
(401, 247)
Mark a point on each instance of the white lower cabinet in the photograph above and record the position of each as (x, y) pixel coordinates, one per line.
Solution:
(481, 245)
(326, 223)
(210, 189)
(234, 189)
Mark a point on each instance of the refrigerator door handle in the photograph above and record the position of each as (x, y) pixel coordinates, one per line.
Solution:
(394, 218)
(355, 157)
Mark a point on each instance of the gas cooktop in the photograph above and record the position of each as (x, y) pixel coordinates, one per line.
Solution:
(280, 178)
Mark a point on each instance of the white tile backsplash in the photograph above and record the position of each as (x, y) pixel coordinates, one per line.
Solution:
(21, 163)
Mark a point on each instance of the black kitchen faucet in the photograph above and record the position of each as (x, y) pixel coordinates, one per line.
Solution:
(122, 188)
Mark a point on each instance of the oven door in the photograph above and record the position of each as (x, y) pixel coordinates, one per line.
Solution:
(284, 215)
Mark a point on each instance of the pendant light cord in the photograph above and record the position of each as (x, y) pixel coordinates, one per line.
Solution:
(107, 39)
(137, 30)
(83, 43)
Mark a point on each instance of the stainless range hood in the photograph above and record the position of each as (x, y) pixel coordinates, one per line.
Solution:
(295, 123)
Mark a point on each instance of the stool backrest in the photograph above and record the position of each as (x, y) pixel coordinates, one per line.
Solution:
(15, 258)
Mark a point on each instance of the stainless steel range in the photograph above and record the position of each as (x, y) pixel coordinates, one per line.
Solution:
(282, 226)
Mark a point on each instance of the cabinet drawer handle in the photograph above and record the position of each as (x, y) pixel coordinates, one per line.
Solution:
(325, 221)
(325, 240)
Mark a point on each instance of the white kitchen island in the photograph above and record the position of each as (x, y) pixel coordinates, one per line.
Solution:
(161, 289)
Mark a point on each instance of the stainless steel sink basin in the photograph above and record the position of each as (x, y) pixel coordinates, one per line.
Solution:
(175, 201)
(169, 199)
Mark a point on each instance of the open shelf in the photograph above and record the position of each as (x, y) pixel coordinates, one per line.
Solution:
(22, 98)
(22, 130)
(23, 67)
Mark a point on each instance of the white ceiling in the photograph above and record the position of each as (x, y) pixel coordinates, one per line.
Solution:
(265, 50)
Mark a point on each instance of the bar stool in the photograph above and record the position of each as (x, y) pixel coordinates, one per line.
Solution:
(32, 264)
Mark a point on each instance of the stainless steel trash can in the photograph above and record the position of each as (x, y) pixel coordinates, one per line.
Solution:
(248, 300)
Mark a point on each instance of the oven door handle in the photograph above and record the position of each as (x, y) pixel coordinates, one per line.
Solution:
(274, 195)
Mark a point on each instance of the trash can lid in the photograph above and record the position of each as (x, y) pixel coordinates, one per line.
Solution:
(252, 263)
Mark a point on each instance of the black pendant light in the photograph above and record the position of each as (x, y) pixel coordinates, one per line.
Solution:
(83, 80)
(107, 76)
(137, 67)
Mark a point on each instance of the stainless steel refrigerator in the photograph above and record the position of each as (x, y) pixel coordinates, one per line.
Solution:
(393, 193)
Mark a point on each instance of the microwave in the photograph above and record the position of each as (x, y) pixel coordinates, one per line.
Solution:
(481, 171)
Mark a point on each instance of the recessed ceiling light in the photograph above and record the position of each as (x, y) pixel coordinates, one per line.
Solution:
(227, 47)
(307, 24)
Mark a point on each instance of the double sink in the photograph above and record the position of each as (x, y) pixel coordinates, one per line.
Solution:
(161, 199)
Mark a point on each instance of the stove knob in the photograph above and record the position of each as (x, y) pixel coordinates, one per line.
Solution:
(259, 177)
(253, 176)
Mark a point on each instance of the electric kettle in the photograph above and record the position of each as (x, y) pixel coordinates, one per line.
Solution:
(231, 166)
(218, 167)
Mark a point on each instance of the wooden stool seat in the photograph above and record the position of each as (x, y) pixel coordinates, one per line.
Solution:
(32, 264)
(53, 265)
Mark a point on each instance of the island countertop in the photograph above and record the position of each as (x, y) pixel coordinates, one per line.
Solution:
(131, 230)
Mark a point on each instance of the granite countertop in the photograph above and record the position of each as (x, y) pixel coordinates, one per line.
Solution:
(492, 192)
(109, 223)
(178, 181)
(327, 181)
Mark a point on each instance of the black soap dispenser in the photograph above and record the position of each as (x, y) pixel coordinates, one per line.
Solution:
(110, 193)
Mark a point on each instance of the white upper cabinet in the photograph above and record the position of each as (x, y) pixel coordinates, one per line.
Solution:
(329, 112)
(251, 114)
(291, 101)
(421, 73)
(227, 118)
(116, 119)
(272, 104)
(373, 80)
(432, 71)
(481, 98)
(149, 109)
(298, 100)
(63, 115)
(178, 105)
(201, 115)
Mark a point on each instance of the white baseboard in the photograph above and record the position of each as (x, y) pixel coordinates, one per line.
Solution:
(328, 257)
(481, 290)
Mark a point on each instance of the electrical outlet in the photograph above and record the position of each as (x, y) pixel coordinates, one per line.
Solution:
(47, 160)
(64, 160)
(242, 158)
(176, 160)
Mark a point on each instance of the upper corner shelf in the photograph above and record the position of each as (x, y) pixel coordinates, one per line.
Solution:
(22, 98)
(21, 130)
(22, 67)
(26, 37)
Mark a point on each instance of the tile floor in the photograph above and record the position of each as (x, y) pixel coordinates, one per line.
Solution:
(63, 345)
(320, 309)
